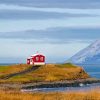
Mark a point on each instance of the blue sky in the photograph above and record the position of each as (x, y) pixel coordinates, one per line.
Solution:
(56, 28)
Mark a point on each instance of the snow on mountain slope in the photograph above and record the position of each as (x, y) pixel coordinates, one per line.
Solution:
(89, 55)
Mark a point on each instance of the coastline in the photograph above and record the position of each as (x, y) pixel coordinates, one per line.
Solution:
(47, 76)
(55, 84)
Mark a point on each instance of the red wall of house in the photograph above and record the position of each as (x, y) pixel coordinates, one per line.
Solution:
(39, 58)
(36, 59)
(28, 61)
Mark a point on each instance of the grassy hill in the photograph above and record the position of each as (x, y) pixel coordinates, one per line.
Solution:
(4, 70)
(49, 72)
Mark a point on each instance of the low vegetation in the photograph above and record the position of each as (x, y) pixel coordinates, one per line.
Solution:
(5, 70)
(15, 95)
(48, 72)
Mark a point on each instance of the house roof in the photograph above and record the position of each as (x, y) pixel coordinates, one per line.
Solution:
(36, 54)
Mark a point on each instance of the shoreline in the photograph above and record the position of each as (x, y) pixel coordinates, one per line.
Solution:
(58, 84)
(55, 84)
(63, 75)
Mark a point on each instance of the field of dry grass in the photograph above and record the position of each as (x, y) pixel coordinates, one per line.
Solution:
(48, 72)
(12, 95)
(4, 70)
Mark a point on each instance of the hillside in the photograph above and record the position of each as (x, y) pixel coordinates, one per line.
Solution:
(44, 73)
(5, 70)
(89, 55)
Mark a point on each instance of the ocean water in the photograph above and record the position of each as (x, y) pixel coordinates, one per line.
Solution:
(92, 70)
(5, 64)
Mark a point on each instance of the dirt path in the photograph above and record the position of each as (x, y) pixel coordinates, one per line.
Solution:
(20, 73)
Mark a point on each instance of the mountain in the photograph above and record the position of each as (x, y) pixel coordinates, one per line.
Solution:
(89, 55)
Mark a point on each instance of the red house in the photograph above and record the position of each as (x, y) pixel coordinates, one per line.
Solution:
(36, 59)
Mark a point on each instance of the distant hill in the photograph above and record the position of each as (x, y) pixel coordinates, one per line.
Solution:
(89, 55)
(44, 73)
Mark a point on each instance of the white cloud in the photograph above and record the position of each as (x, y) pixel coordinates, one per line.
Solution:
(56, 10)
(21, 25)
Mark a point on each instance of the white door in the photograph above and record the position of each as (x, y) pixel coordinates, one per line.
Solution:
(31, 61)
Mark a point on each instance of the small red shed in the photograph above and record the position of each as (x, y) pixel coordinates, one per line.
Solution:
(36, 59)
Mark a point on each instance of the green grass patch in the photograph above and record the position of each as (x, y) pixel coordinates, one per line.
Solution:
(66, 65)
(4, 68)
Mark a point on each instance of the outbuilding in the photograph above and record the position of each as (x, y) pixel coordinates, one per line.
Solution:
(36, 59)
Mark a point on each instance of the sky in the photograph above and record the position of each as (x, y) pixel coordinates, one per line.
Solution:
(56, 28)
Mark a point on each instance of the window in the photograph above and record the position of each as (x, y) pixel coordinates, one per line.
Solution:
(37, 58)
(28, 61)
(31, 60)
(41, 58)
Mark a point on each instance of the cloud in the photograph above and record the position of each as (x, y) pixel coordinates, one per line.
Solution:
(55, 3)
(58, 33)
(22, 25)
(16, 14)
(19, 12)
(43, 9)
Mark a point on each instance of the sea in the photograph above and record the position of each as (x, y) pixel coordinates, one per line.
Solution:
(5, 64)
(92, 69)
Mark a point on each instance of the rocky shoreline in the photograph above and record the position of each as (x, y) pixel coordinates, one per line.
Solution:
(55, 84)
(74, 83)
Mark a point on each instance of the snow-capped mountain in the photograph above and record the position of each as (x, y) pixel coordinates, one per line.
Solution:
(89, 55)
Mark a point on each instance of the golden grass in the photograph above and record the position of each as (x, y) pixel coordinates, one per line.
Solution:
(4, 70)
(49, 72)
(15, 95)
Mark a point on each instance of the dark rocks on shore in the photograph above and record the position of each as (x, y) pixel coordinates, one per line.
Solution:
(74, 83)
(55, 84)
